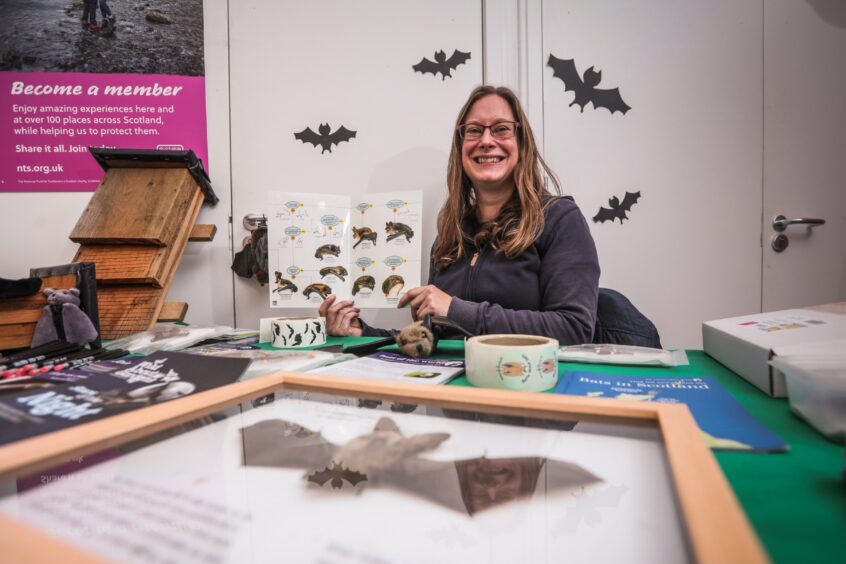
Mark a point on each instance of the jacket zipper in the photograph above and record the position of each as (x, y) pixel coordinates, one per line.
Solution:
(471, 274)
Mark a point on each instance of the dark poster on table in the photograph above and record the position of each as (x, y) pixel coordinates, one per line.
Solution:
(76, 74)
(110, 387)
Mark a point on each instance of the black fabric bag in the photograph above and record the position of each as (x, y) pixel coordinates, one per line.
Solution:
(21, 288)
(251, 261)
(619, 322)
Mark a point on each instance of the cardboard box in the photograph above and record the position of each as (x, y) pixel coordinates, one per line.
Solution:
(746, 344)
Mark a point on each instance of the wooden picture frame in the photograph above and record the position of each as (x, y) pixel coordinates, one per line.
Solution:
(716, 527)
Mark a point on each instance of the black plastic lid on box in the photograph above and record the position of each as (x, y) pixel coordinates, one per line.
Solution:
(156, 158)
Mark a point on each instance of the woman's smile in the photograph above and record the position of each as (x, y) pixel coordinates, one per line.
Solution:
(488, 161)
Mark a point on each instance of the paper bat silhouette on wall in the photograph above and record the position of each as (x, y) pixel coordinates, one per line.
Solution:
(618, 210)
(442, 64)
(386, 458)
(585, 88)
(323, 138)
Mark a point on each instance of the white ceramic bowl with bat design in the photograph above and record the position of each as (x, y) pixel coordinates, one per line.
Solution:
(512, 362)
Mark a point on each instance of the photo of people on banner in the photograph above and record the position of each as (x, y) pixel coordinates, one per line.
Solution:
(96, 73)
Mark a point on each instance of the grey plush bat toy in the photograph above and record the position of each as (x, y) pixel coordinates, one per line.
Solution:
(62, 319)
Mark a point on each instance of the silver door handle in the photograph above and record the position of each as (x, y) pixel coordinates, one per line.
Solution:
(780, 222)
(253, 221)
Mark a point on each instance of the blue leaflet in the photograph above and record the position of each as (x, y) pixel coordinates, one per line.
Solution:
(717, 413)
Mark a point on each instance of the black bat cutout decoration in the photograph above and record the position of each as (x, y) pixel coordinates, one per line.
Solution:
(323, 138)
(618, 209)
(585, 88)
(442, 64)
(337, 474)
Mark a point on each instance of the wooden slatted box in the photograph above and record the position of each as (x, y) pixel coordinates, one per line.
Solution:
(135, 229)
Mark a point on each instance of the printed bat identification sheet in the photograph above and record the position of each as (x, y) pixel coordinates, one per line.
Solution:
(366, 248)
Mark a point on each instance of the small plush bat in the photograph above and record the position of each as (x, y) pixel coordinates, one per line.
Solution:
(618, 210)
(323, 138)
(442, 64)
(337, 473)
(585, 88)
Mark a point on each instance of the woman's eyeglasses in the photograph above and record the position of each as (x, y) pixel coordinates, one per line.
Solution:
(499, 130)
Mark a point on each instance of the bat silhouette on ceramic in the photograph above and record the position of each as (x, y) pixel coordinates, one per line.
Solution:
(441, 64)
(585, 87)
(314, 331)
(285, 338)
(323, 138)
(618, 209)
(386, 458)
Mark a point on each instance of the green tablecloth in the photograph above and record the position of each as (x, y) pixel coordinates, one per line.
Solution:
(796, 500)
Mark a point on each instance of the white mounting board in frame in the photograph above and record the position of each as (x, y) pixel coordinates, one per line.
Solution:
(225, 487)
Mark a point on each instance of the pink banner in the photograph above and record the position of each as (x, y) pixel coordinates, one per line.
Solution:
(50, 119)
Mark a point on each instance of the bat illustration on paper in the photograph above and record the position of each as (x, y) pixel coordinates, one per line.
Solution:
(386, 458)
(618, 209)
(442, 64)
(321, 290)
(323, 138)
(585, 88)
(283, 284)
(337, 474)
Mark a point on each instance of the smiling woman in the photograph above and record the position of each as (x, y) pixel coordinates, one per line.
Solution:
(510, 257)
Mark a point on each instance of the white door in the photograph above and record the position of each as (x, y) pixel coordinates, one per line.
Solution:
(298, 64)
(805, 151)
(690, 145)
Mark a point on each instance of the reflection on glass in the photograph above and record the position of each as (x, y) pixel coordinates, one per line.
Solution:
(488, 482)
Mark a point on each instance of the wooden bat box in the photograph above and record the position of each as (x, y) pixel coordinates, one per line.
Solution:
(135, 229)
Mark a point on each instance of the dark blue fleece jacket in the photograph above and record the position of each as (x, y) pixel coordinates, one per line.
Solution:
(550, 289)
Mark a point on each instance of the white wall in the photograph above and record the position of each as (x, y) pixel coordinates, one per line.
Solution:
(690, 249)
(204, 279)
(284, 80)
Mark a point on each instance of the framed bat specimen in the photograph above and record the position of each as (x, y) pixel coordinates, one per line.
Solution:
(338, 470)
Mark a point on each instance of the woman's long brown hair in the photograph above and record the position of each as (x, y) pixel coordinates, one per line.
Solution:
(520, 221)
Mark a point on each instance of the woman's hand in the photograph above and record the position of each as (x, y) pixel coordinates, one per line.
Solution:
(426, 299)
(341, 318)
